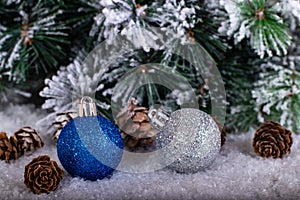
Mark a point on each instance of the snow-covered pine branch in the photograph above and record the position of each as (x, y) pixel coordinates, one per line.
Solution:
(94, 75)
(290, 9)
(127, 18)
(258, 22)
(277, 93)
(33, 40)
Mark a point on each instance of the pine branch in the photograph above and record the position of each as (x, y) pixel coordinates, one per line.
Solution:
(121, 17)
(290, 10)
(95, 78)
(79, 16)
(277, 92)
(4, 83)
(130, 19)
(256, 20)
(239, 74)
(187, 23)
(206, 32)
(34, 41)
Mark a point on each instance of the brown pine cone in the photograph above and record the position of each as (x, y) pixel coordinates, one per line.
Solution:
(26, 139)
(42, 175)
(223, 134)
(7, 150)
(272, 140)
(222, 130)
(61, 120)
(135, 126)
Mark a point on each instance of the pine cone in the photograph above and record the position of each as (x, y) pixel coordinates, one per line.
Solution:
(7, 150)
(42, 175)
(272, 140)
(61, 120)
(135, 126)
(222, 130)
(26, 139)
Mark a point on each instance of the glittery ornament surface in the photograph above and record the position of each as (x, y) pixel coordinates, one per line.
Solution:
(90, 147)
(191, 138)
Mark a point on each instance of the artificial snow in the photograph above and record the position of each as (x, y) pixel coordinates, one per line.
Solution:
(237, 173)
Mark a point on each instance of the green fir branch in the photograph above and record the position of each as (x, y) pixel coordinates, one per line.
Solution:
(34, 41)
(268, 32)
(277, 93)
(239, 74)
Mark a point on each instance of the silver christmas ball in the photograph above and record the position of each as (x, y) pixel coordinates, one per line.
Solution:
(190, 141)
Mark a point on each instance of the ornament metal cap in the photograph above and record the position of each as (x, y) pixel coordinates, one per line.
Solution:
(158, 117)
(87, 107)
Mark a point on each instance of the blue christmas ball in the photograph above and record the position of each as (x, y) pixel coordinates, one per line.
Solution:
(90, 147)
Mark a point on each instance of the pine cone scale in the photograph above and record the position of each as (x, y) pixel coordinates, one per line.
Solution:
(7, 149)
(131, 141)
(282, 146)
(145, 126)
(131, 129)
(269, 138)
(142, 109)
(140, 117)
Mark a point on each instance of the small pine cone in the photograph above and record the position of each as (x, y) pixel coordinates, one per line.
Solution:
(26, 139)
(135, 126)
(42, 175)
(61, 120)
(222, 130)
(223, 134)
(272, 140)
(7, 150)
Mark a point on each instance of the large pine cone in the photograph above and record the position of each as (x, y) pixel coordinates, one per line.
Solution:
(42, 175)
(272, 140)
(135, 126)
(7, 150)
(26, 139)
(61, 120)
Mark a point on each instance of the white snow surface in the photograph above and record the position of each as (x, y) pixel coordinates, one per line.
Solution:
(237, 173)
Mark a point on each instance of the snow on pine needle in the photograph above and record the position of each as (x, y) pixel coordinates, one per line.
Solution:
(179, 20)
(59, 89)
(9, 2)
(290, 9)
(127, 18)
(88, 75)
(173, 15)
(32, 40)
(64, 90)
(258, 22)
(277, 93)
(176, 19)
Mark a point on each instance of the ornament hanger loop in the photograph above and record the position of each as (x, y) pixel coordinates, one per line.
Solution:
(158, 117)
(86, 99)
(87, 107)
